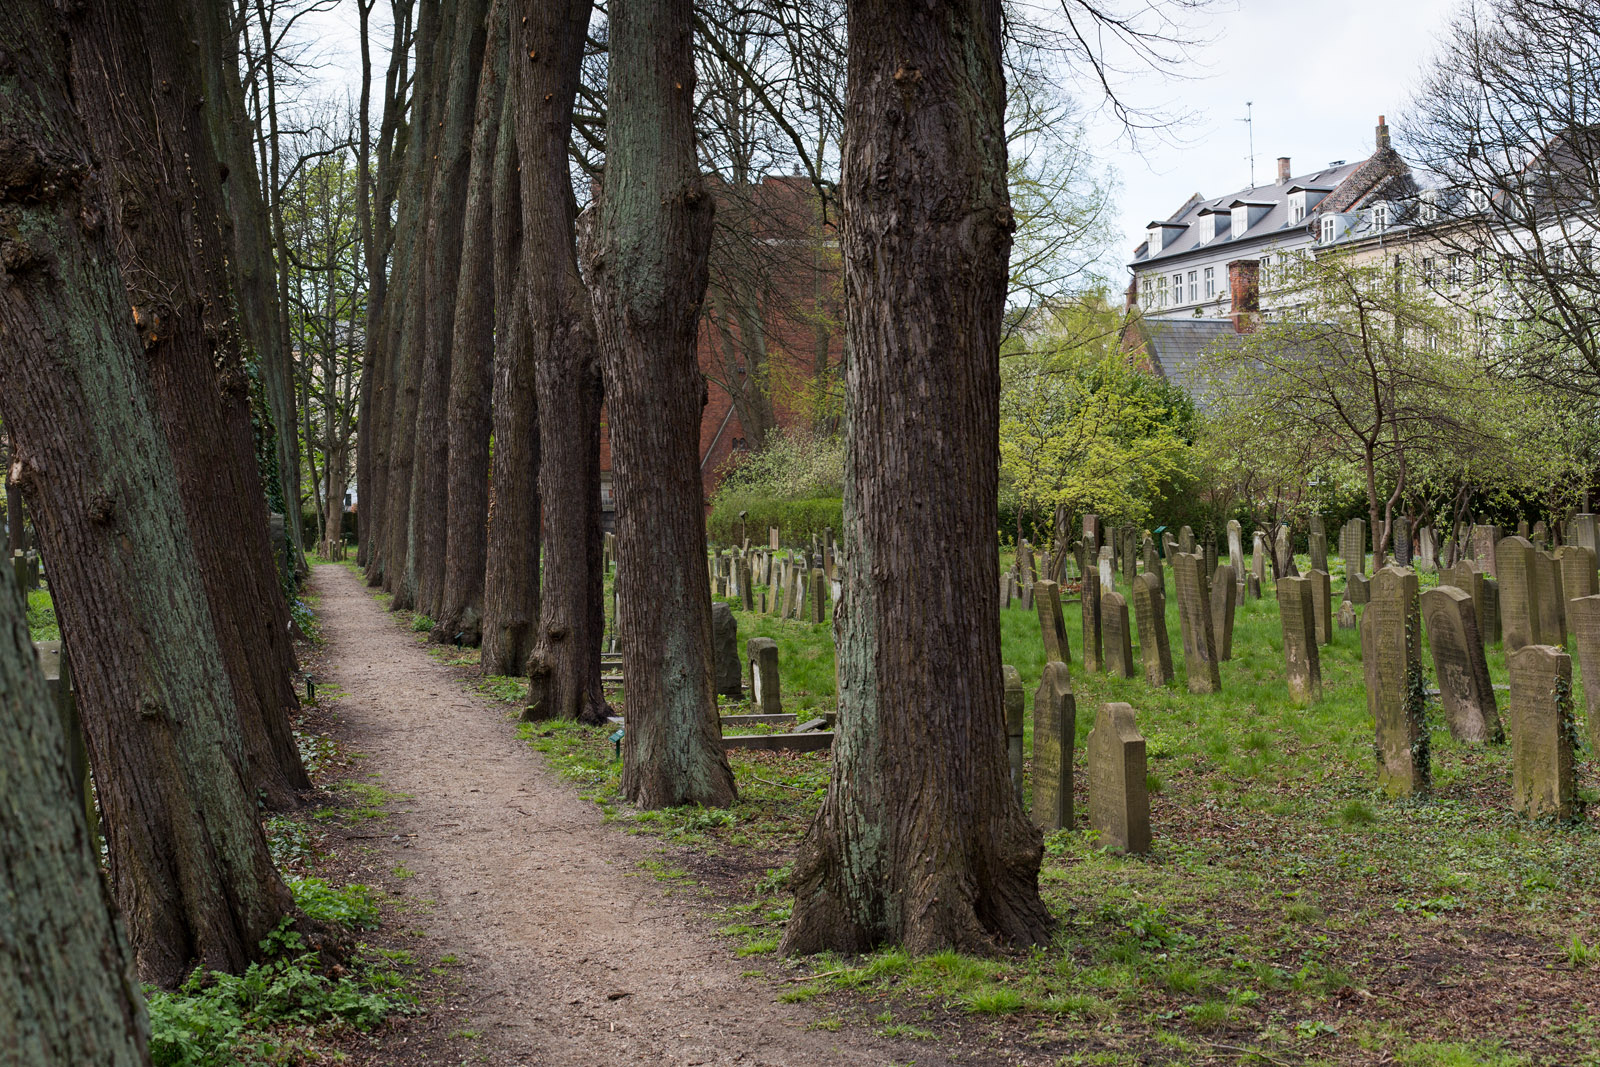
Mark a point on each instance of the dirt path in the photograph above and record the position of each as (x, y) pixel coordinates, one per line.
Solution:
(572, 960)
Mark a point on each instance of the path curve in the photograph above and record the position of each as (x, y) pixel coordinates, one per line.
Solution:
(533, 892)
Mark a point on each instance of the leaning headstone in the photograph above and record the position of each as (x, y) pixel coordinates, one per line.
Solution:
(1194, 618)
(1347, 615)
(1089, 599)
(1014, 701)
(1258, 560)
(1322, 605)
(1302, 662)
(1583, 614)
(1150, 614)
(1224, 594)
(1318, 550)
(1543, 775)
(1392, 662)
(1236, 548)
(1208, 555)
(1485, 541)
(1358, 590)
(762, 652)
(1055, 733)
(1402, 541)
(1118, 649)
(1520, 615)
(1119, 806)
(1283, 554)
(1464, 688)
(1052, 625)
(1027, 573)
(1552, 602)
(725, 651)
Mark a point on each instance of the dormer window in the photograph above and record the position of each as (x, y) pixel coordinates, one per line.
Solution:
(1297, 207)
(1241, 220)
(1330, 229)
(1380, 217)
(1208, 228)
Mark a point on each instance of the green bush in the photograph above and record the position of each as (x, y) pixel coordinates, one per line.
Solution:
(797, 519)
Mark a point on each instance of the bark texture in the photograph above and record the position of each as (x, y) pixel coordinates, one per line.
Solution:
(166, 206)
(189, 864)
(921, 840)
(564, 668)
(648, 262)
(511, 574)
(472, 361)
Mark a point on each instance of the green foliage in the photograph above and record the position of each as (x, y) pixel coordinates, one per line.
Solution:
(42, 624)
(799, 520)
(795, 482)
(351, 906)
(421, 624)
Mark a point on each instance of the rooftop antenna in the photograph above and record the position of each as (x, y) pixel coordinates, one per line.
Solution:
(1250, 128)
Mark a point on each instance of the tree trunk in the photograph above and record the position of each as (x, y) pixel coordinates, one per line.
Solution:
(167, 208)
(189, 864)
(68, 994)
(649, 266)
(921, 840)
(564, 668)
(471, 362)
(445, 221)
(511, 575)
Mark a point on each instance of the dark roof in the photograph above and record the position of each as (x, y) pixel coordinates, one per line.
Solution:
(1174, 348)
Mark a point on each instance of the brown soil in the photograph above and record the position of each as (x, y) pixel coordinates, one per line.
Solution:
(570, 953)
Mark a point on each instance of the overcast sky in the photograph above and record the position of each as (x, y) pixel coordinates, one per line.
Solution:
(1319, 76)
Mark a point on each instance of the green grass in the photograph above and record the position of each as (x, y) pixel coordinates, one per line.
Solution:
(42, 625)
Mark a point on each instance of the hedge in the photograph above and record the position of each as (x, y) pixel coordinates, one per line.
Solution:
(796, 519)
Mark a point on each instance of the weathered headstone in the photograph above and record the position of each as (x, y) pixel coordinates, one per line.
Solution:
(1520, 614)
(1185, 539)
(725, 651)
(747, 588)
(1584, 615)
(1543, 775)
(1258, 560)
(818, 596)
(1107, 570)
(1208, 556)
(1577, 574)
(1150, 614)
(1392, 662)
(1540, 535)
(1119, 806)
(1224, 595)
(1052, 625)
(1358, 590)
(1194, 619)
(1353, 547)
(1523, 531)
(1302, 662)
(1118, 640)
(1347, 615)
(1130, 554)
(1015, 701)
(1322, 605)
(762, 653)
(1236, 548)
(1055, 734)
(1089, 601)
(1485, 541)
(1586, 532)
(1317, 548)
(1401, 537)
(1427, 550)
(1027, 573)
(772, 538)
(1027, 597)
(1152, 558)
(1552, 602)
(1451, 623)
(1283, 554)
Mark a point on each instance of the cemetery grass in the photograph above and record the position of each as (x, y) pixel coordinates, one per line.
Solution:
(1288, 913)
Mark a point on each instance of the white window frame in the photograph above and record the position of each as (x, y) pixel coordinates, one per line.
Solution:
(1194, 287)
(1161, 291)
(1177, 289)
(1330, 229)
(1211, 283)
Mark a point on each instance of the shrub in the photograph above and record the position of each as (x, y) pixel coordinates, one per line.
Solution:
(797, 519)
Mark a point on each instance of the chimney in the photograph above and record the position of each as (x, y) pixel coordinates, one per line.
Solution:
(1132, 295)
(1383, 134)
(1283, 169)
(1244, 286)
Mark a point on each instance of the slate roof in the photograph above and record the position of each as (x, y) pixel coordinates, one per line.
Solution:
(1174, 348)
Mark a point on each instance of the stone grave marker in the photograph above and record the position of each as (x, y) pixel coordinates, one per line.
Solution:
(1358, 590)
(762, 653)
(1224, 596)
(1317, 547)
(1283, 558)
(1577, 574)
(1150, 614)
(1015, 701)
(772, 538)
(1583, 613)
(1427, 551)
(1090, 602)
(1027, 598)
(1236, 548)
(1523, 531)
(1392, 663)
(1540, 536)
(1106, 565)
(1552, 601)
(725, 651)
(1118, 649)
(1465, 692)
(1353, 547)
(818, 595)
(1520, 614)
(1401, 537)
(1055, 734)
(1302, 662)
(1052, 625)
(1092, 539)
(1485, 541)
(1152, 559)
(746, 586)
(1322, 605)
(1130, 554)
(1194, 619)
(1586, 532)
(1119, 806)
(1208, 555)
(1258, 560)
(1347, 615)
(1543, 773)
(1185, 539)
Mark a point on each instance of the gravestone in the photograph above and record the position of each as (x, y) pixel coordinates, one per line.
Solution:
(1552, 602)
(1130, 555)
(1402, 541)
(1052, 625)
(772, 538)
(1119, 806)
(1185, 539)
(1150, 614)
(1008, 591)
(725, 651)
(1194, 619)
(1543, 773)
(1169, 545)
(1092, 538)
(1520, 614)
(1485, 541)
(1027, 598)
(747, 598)
(1318, 550)
(1107, 570)
(1540, 535)
(1427, 551)
(1465, 692)
(1055, 734)
(1015, 700)
(1392, 663)
(762, 652)
(1583, 614)
(1347, 615)
(1577, 574)
(1302, 662)
(1152, 559)
(1089, 601)
(1208, 554)
(1258, 560)
(1118, 640)
(1283, 554)
(818, 596)
(1586, 532)
(1523, 531)
(1353, 547)
(1224, 594)
(1252, 587)
(1358, 590)
(1236, 548)
(1322, 605)
(1317, 526)
(1027, 573)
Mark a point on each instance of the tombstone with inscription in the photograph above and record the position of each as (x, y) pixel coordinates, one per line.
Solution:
(817, 596)
(1427, 552)
(1451, 623)
(1302, 661)
(1119, 806)
(1258, 560)
(725, 651)
(1358, 590)
(1347, 615)
(1586, 532)
(1107, 570)
(1185, 539)
(1402, 540)
(1236, 548)
(1391, 660)
(1089, 601)
(1150, 614)
(1052, 625)
(1353, 547)
(762, 652)
(1224, 594)
(1583, 613)
(1520, 613)
(1577, 565)
(1194, 619)
(1055, 734)
(1552, 601)
(1485, 542)
(1540, 535)
(1317, 549)
(1283, 557)
(1118, 650)
(1130, 554)
(1322, 605)
(1544, 781)
(1152, 559)
(747, 588)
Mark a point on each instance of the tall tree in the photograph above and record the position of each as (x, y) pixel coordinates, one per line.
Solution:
(189, 864)
(472, 359)
(564, 666)
(648, 262)
(921, 840)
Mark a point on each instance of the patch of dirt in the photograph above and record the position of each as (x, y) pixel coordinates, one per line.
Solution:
(570, 953)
